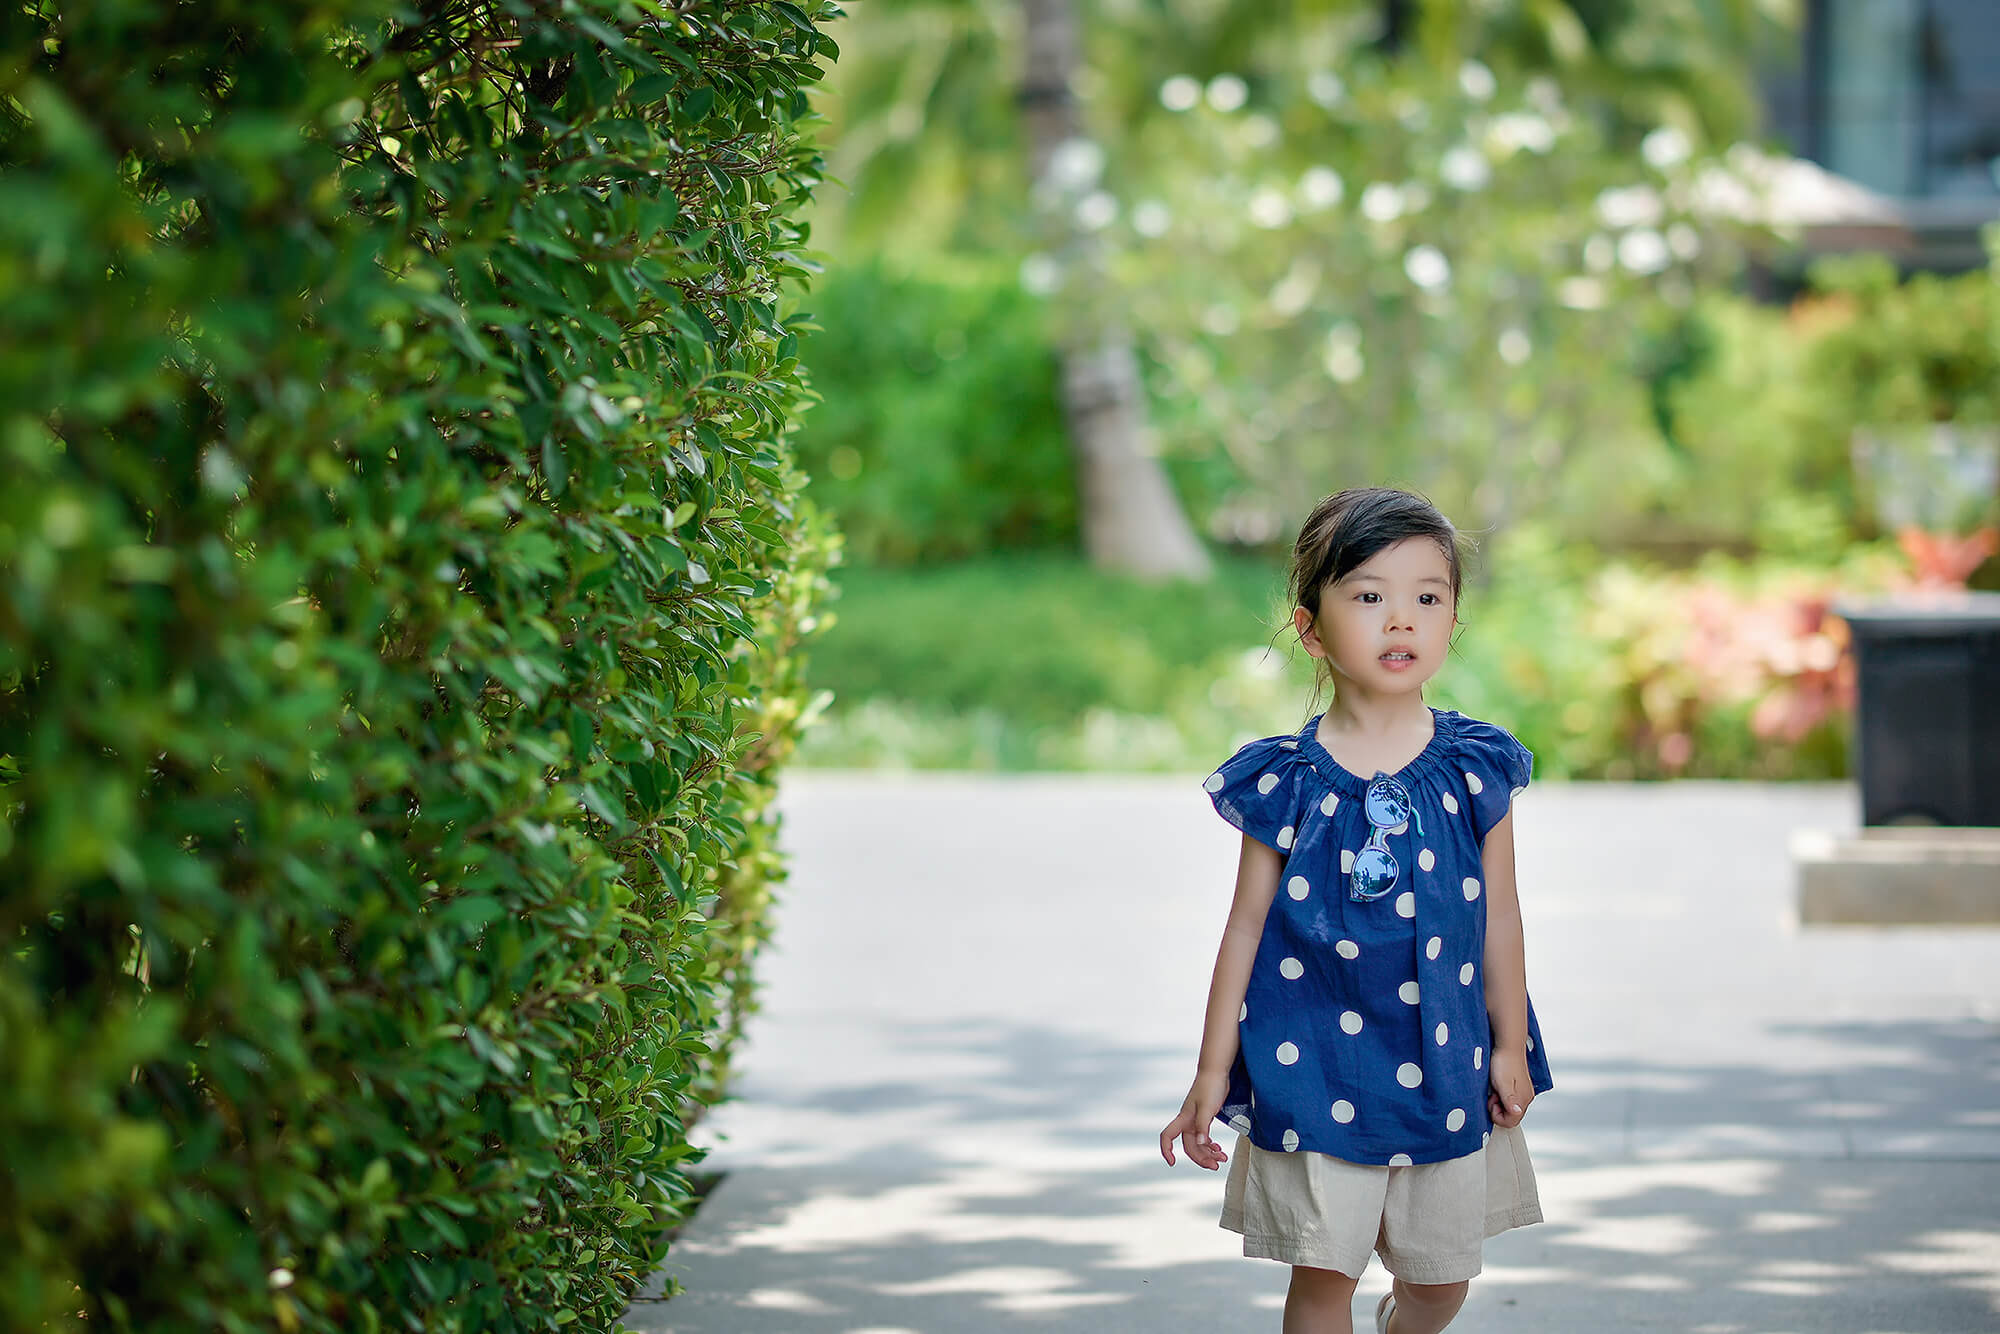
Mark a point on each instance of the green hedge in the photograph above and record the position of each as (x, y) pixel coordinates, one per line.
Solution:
(402, 572)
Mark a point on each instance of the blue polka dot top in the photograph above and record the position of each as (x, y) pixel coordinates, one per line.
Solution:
(1364, 1029)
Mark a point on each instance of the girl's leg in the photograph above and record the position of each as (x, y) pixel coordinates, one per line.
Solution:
(1320, 1301)
(1423, 1308)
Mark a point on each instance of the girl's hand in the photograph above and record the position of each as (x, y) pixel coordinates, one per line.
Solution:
(1197, 1113)
(1512, 1089)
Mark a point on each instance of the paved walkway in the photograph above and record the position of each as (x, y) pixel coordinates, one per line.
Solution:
(985, 997)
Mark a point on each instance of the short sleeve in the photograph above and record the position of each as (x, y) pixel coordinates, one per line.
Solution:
(1256, 789)
(1497, 767)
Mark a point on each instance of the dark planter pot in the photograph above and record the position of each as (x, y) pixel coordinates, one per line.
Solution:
(1927, 724)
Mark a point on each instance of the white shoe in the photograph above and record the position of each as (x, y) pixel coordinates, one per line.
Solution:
(1383, 1310)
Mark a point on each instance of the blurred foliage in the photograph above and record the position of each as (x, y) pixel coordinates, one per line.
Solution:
(1752, 461)
(921, 112)
(1412, 280)
(1439, 256)
(943, 435)
(1769, 408)
(1908, 373)
(1732, 670)
(1743, 412)
(1921, 349)
(1036, 637)
(402, 578)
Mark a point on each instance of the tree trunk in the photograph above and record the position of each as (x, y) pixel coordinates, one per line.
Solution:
(1132, 521)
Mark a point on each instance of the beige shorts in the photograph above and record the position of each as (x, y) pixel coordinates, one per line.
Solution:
(1427, 1222)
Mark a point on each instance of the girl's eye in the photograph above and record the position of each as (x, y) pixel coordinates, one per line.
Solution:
(1368, 595)
(1431, 596)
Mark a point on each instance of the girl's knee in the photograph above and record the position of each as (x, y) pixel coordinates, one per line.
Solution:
(1439, 1296)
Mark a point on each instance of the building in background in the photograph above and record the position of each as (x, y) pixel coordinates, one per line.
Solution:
(1900, 97)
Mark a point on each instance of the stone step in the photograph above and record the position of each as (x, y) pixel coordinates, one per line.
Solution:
(1898, 874)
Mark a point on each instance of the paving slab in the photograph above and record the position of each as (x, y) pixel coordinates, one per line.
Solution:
(984, 996)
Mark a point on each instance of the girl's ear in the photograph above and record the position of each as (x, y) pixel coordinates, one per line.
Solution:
(1302, 621)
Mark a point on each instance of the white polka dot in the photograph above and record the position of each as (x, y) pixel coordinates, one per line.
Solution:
(1240, 1124)
(1402, 828)
(1347, 861)
(1347, 949)
(1409, 1074)
(1465, 976)
(1410, 992)
(1267, 782)
(1515, 792)
(1472, 783)
(1350, 1021)
(1455, 1121)
(1291, 968)
(1484, 1135)
(1328, 803)
(1214, 783)
(1531, 1044)
(1443, 1034)
(1471, 888)
(1297, 887)
(1451, 803)
(1400, 1160)
(1478, 1058)
(1427, 859)
(1406, 904)
(1291, 1141)
(1431, 949)
(1243, 1012)
(1343, 1111)
(1285, 836)
(1287, 1053)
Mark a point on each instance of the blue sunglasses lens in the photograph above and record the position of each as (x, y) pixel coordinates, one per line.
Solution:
(1374, 873)
(1388, 803)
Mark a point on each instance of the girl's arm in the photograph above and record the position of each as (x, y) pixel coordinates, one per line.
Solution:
(1257, 871)
(1506, 971)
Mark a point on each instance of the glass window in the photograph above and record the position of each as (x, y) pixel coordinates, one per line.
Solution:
(1873, 102)
(1960, 66)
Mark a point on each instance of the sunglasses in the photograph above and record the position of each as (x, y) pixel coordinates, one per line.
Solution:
(1388, 807)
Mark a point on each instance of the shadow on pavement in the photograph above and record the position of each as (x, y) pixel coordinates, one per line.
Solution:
(1001, 1177)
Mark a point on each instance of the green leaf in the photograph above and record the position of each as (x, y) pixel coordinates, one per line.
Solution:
(795, 16)
(555, 465)
(652, 88)
(471, 910)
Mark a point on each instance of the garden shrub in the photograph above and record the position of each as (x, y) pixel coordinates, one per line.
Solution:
(402, 573)
(942, 435)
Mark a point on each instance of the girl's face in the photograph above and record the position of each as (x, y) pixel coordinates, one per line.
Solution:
(1385, 627)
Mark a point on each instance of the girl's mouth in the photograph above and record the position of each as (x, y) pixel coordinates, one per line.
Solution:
(1396, 661)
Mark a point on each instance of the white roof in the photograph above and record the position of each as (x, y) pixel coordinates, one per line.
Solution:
(1774, 189)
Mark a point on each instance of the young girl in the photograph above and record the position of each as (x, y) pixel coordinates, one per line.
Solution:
(1369, 1033)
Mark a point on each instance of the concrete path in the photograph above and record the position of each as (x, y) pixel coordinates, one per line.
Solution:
(985, 997)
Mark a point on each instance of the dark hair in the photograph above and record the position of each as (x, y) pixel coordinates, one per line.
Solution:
(1347, 528)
